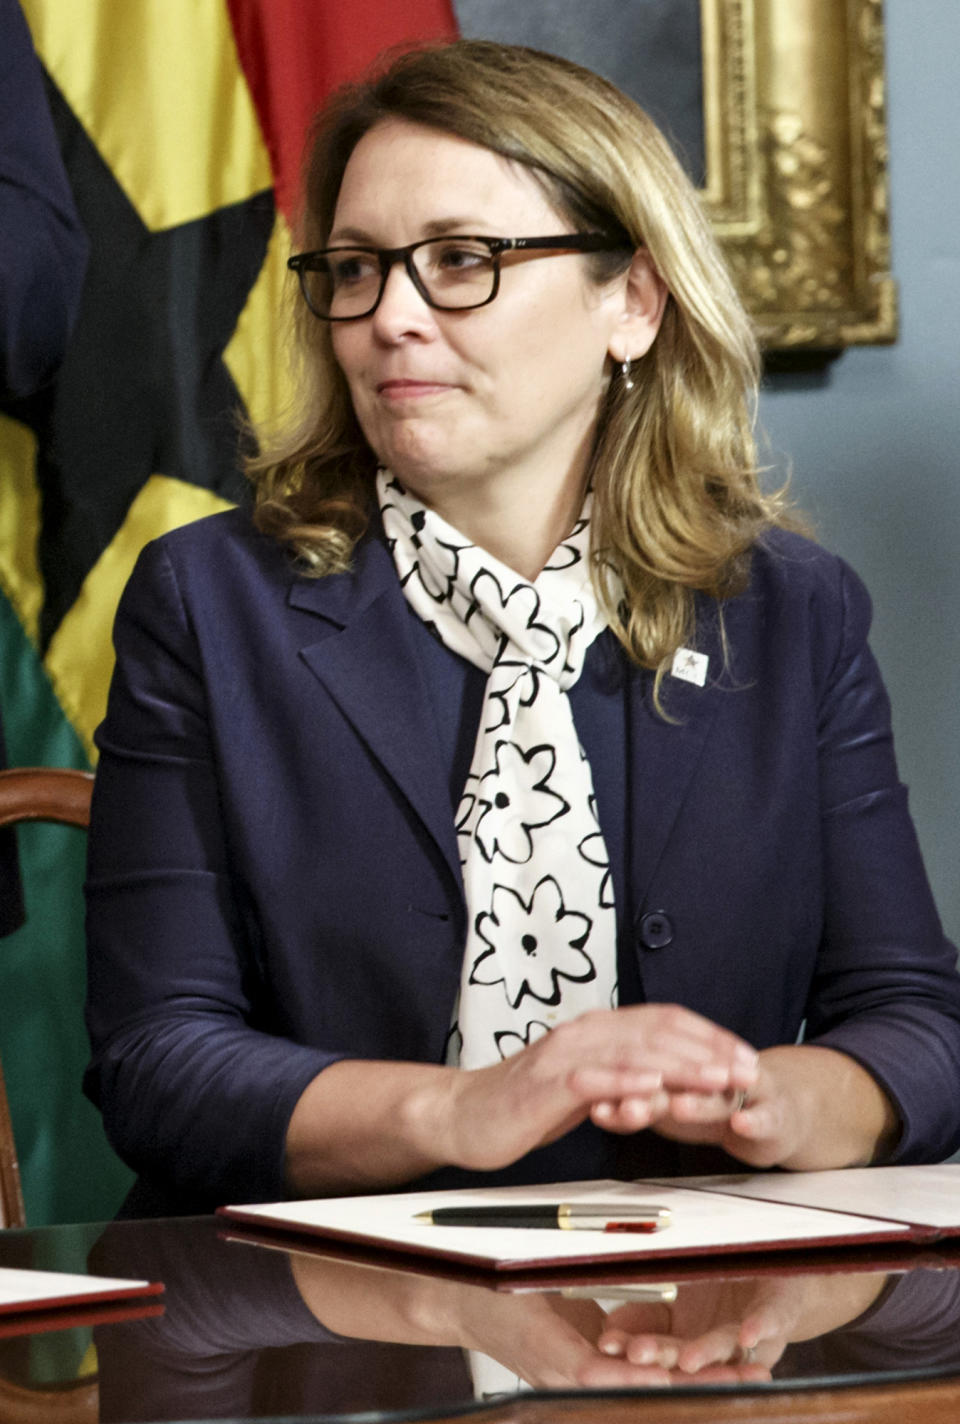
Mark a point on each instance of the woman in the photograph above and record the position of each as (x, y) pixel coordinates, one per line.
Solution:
(517, 794)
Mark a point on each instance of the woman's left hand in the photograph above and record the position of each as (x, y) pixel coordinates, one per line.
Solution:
(810, 1109)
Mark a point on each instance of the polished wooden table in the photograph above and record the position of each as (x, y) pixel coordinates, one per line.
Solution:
(268, 1328)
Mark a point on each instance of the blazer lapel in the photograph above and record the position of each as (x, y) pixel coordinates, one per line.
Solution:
(663, 756)
(367, 661)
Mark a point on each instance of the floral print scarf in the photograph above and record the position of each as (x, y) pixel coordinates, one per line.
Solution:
(541, 942)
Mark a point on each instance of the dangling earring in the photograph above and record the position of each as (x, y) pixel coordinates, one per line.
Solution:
(625, 373)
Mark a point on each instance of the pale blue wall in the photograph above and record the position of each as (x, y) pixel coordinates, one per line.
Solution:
(876, 447)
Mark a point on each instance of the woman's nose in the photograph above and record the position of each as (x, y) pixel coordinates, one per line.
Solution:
(401, 308)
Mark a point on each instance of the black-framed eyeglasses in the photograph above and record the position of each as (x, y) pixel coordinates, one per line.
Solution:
(455, 273)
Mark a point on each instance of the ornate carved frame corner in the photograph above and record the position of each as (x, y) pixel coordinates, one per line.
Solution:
(796, 151)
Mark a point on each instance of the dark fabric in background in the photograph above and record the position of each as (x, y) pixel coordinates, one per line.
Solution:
(43, 252)
(649, 48)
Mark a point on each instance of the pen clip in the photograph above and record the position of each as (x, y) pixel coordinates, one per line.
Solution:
(658, 1292)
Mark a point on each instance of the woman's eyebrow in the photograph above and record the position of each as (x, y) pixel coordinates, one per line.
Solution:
(441, 226)
(351, 234)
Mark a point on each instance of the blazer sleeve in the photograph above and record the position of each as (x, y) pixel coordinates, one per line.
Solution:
(43, 247)
(885, 989)
(194, 1090)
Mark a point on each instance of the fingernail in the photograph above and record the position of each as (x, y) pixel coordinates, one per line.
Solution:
(612, 1347)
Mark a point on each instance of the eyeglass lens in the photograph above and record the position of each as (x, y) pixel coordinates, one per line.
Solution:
(455, 273)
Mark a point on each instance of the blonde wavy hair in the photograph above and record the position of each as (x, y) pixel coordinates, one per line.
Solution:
(677, 498)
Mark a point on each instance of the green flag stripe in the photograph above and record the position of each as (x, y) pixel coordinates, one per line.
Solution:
(42, 1039)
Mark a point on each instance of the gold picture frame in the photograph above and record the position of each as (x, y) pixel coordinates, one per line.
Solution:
(796, 163)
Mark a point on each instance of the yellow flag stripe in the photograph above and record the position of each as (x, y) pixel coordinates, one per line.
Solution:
(80, 659)
(258, 354)
(158, 86)
(20, 524)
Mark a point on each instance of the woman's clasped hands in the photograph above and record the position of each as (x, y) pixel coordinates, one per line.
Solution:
(657, 1066)
(806, 1107)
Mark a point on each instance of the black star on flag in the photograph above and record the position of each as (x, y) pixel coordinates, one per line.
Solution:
(144, 388)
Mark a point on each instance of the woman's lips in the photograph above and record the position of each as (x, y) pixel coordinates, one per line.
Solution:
(409, 389)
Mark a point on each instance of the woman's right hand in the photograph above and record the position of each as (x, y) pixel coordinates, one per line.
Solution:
(620, 1066)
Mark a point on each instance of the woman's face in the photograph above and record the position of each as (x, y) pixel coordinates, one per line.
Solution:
(463, 399)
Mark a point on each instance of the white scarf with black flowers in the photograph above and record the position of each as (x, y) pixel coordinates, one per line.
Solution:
(541, 941)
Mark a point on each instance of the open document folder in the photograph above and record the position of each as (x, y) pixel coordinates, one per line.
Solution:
(748, 1212)
(22, 1290)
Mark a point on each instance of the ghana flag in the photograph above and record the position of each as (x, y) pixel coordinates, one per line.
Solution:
(181, 124)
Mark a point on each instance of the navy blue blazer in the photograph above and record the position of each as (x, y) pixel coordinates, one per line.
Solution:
(274, 881)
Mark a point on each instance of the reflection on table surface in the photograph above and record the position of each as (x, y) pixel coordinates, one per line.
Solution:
(258, 1327)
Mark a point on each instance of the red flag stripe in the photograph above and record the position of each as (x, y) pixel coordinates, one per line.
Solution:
(296, 52)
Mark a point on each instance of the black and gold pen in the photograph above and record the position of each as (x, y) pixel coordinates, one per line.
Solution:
(559, 1216)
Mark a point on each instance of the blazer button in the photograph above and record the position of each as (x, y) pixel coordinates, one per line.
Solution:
(656, 930)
